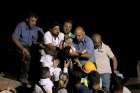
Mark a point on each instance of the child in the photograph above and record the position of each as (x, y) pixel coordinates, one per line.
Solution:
(87, 68)
(118, 85)
(94, 82)
(45, 85)
(55, 70)
(78, 87)
(63, 82)
(68, 48)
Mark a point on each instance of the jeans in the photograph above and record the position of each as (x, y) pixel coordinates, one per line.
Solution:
(106, 81)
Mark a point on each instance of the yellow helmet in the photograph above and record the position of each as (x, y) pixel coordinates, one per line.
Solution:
(88, 67)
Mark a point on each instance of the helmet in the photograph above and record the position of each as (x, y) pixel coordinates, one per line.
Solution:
(88, 67)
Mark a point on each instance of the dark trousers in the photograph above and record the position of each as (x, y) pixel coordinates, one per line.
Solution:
(24, 71)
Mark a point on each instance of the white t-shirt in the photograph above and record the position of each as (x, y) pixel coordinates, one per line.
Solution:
(55, 72)
(103, 56)
(126, 90)
(49, 38)
(46, 59)
(47, 85)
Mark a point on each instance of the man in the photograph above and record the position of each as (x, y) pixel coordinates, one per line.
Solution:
(24, 36)
(83, 45)
(103, 55)
(52, 41)
(54, 36)
(67, 28)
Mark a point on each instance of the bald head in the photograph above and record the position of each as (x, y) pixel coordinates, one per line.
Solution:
(97, 39)
(80, 33)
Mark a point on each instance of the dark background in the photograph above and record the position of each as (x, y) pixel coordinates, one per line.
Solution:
(118, 24)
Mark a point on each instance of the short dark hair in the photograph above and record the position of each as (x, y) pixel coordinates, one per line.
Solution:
(96, 33)
(32, 14)
(44, 70)
(68, 21)
(54, 23)
(118, 83)
(94, 78)
(77, 76)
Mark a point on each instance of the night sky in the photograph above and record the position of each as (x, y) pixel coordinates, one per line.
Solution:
(119, 27)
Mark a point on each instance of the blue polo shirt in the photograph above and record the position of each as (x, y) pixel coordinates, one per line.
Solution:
(27, 36)
(85, 44)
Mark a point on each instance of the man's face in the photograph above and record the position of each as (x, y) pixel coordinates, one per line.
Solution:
(32, 21)
(79, 34)
(55, 30)
(97, 40)
(67, 27)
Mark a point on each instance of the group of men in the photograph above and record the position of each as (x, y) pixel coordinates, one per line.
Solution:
(27, 33)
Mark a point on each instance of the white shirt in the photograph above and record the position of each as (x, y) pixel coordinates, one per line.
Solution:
(55, 72)
(49, 38)
(46, 59)
(47, 85)
(103, 56)
(126, 90)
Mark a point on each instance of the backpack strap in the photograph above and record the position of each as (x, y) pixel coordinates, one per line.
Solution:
(41, 88)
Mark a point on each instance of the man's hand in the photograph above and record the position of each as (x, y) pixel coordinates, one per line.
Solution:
(66, 64)
(76, 60)
(26, 54)
(83, 52)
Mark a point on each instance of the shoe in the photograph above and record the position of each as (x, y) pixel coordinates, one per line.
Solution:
(2, 74)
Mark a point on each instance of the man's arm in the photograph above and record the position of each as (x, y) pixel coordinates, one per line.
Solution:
(115, 63)
(15, 39)
(89, 46)
(90, 50)
(113, 58)
(17, 42)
